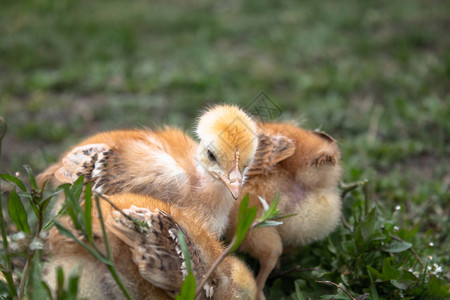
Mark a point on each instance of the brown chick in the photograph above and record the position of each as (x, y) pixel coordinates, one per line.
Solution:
(169, 165)
(303, 166)
(148, 257)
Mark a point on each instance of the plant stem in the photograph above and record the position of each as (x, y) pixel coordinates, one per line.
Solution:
(345, 223)
(348, 187)
(366, 198)
(214, 266)
(338, 286)
(216, 263)
(27, 268)
(106, 198)
(111, 267)
(26, 272)
(8, 273)
(410, 249)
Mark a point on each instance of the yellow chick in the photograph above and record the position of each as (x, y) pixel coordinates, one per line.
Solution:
(148, 257)
(169, 165)
(303, 166)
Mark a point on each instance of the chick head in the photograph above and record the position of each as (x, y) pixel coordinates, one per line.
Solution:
(315, 161)
(228, 141)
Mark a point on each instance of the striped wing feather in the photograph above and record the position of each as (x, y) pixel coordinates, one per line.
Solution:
(271, 150)
(155, 246)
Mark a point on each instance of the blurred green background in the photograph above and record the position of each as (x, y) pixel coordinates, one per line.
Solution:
(373, 74)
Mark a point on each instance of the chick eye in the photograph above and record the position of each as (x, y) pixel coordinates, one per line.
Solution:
(211, 156)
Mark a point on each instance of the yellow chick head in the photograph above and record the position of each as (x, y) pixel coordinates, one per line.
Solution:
(228, 141)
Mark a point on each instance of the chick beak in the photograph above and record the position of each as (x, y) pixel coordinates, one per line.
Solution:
(234, 183)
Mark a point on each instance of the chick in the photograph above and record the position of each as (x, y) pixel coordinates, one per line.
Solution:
(147, 257)
(169, 165)
(303, 166)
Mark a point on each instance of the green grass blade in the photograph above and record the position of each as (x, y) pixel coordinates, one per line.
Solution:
(47, 289)
(187, 291)
(7, 270)
(373, 289)
(77, 187)
(298, 292)
(185, 251)
(17, 212)
(60, 284)
(43, 205)
(15, 180)
(245, 219)
(88, 212)
(73, 194)
(72, 288)
(31, 177)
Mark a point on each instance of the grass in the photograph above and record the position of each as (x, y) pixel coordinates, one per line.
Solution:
(373, 74)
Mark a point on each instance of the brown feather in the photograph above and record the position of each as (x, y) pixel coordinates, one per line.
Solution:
(271, 150)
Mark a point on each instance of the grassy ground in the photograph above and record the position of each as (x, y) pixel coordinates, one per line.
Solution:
(373, 74)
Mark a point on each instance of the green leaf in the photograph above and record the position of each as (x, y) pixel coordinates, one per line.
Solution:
(438, 288)
(88, 211)
(284, 217)
(268, 223)
(245, 219)
(77, 187)
(378, 236)
(17, 212)
(72, 288)
(187, 291)
(43, 205)
(397, 247)
(31, 177)
(43, 188)
(275, 291)
(374, 272)
(369, 225)
(271, 211)
(14, 180)
(74, 210)
(298, 292)
(402, 284)
(33, 199)
(35, 290)
(185, 251)
(35, 208)
(71, 205)
(60, 283)
(424, 276)
(388, 271)
(47, 289)
(48, 225)
(5, 292)
(349, 247)
(373, 289)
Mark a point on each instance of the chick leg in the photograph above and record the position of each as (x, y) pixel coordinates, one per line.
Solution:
(265, 245)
